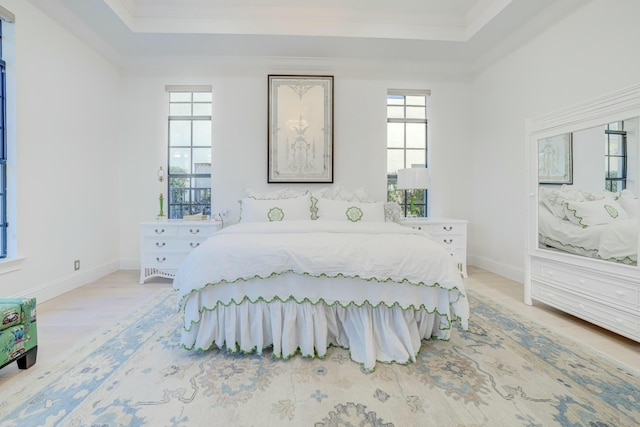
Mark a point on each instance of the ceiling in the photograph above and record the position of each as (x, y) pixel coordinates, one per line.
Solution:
(437, 31)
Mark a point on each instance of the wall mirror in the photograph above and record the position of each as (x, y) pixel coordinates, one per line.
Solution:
(584, 181)
(588, 192)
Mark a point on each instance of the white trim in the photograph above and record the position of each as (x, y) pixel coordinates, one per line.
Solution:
(7, 16)
(50, 290)
(188, 88)
(415, 92)
(8, 265)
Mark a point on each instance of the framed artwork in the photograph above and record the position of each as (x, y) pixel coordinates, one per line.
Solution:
(300, 129)
(555, 160)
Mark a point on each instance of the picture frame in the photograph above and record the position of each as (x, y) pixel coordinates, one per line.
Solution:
(300, 129)
(555, 159)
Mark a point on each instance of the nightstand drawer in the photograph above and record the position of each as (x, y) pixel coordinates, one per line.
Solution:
(199, 230)
(164, 259)
(164, 230)
(451, 241)
(449, 233)
(164, 245)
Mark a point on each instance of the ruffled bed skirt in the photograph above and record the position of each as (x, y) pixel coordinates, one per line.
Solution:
(386, 334)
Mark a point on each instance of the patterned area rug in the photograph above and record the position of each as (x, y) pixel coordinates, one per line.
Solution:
(503, 372)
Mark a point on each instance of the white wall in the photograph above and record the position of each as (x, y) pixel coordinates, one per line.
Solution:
(65, 156)
(240, 140)
(588, 54)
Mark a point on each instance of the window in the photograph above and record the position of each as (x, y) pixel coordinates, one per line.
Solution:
(189, 171)
(3, 154)
(615, 157)
(406, 146)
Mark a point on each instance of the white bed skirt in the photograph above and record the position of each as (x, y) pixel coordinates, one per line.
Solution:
(381, 333)
(381, 321)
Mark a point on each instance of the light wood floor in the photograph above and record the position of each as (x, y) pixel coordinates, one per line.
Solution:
(74, 317)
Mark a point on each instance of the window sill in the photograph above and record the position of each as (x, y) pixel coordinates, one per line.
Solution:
(8, 265)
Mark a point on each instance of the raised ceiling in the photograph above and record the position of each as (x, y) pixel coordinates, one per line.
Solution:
(452, 31)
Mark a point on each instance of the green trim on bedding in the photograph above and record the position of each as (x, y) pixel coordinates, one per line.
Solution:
(319, 276)
(626, 260)
(235, 348)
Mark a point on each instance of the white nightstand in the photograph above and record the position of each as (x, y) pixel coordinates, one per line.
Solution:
(165, 244)
(448, 232)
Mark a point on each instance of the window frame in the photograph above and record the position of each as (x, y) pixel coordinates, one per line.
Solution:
(176, 210)
(3, 151)
(404, 199)
(619, 182)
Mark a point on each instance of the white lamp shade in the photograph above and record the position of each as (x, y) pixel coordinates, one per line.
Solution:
(413, 179)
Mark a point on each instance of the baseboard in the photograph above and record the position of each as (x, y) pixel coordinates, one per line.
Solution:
(129, 264)
(508, 271)
(55, 288)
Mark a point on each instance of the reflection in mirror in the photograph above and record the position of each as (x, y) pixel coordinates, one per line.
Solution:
(587, 206)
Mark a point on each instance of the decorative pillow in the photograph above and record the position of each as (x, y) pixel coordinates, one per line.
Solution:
(292, 209)
(338, 193)
(554, 199)
(285, 193)
(339, 210)
(594, 212)
(392, 212)
(631, 206)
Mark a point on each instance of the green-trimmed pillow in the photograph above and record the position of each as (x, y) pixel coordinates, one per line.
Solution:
(594, 212)
(292, 209)
(338, 210)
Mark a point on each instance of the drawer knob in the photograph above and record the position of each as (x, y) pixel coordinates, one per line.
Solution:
(620, 293)
(192, 231)
(159, 231)
(448, 241)
(619, 321)
(581, 281)
(160, 244)
(447, 228)
(194, 245)
(581, 306)
(163, 259)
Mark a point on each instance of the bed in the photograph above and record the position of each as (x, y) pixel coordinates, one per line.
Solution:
(600, 225)
(348, 277)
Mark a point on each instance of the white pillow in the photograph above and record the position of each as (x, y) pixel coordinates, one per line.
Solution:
(284, 193)
(338, 193)
(594, 212)
(393, 212)
(630, 206)
(292, 209)
(339, 210)
(554, 199)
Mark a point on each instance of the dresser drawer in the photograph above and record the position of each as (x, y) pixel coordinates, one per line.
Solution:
(590, 283)
(603, 314)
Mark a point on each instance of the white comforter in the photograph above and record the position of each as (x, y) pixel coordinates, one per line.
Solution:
(616, 241)
(336, 265)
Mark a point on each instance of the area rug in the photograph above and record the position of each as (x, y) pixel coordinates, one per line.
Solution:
(505, 371)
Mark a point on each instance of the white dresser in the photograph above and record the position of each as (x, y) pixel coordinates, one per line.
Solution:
(448, 232)
(165, 244)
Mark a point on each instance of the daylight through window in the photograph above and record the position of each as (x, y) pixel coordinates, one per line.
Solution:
(406, 146)
(189, 171)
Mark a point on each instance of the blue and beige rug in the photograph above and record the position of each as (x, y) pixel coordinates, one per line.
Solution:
(503, 372)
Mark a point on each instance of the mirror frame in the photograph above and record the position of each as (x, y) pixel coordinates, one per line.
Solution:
(616, 106)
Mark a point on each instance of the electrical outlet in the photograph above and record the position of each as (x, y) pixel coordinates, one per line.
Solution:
(76, 265)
